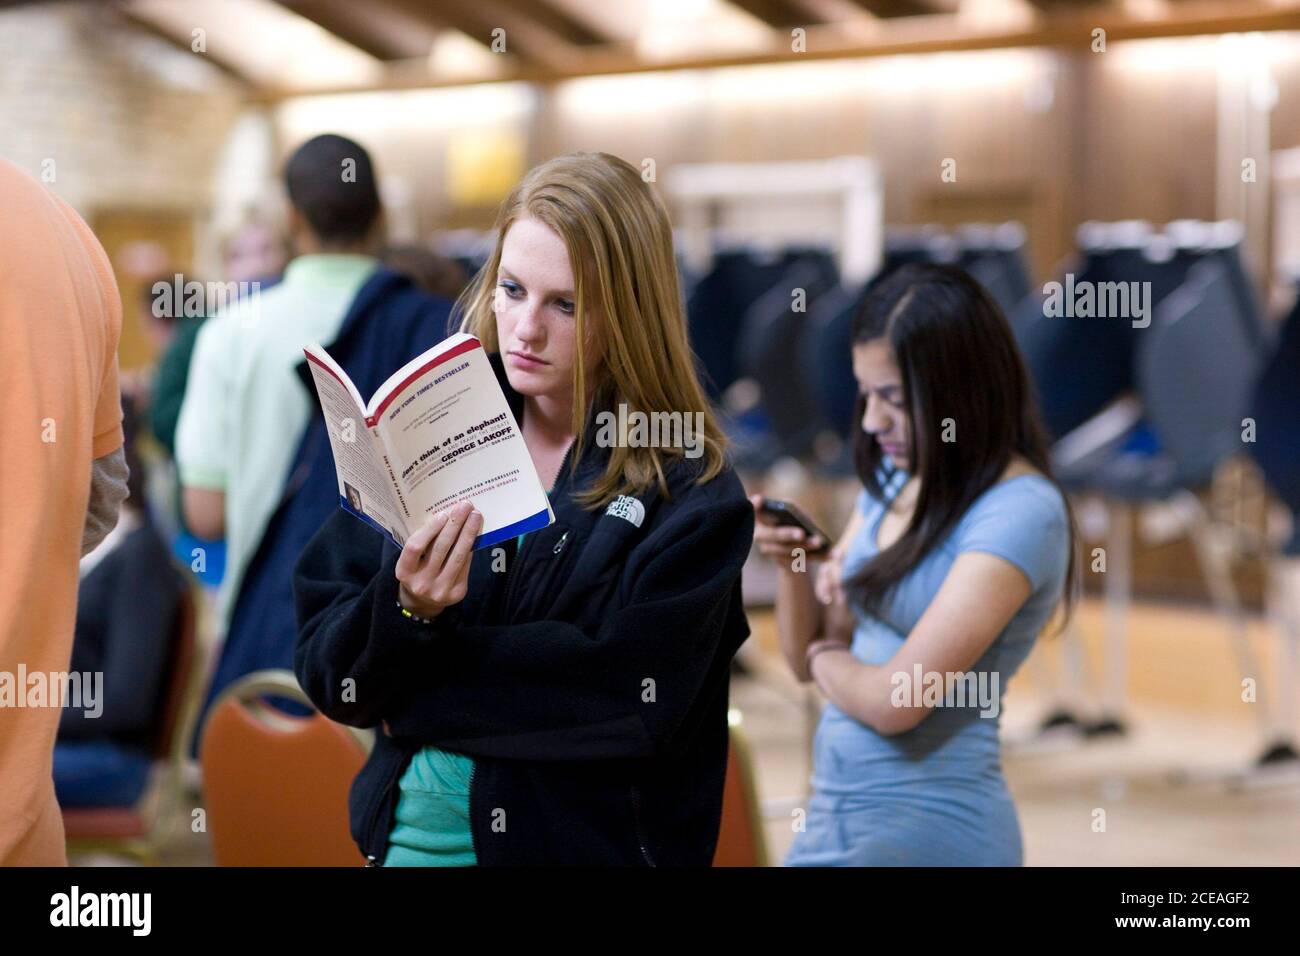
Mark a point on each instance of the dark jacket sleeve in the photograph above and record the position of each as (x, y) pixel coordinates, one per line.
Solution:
(547, 690)
(539, 690)
(354, 646)
(136, 614)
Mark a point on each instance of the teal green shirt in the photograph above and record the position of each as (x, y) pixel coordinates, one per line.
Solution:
(431, 826)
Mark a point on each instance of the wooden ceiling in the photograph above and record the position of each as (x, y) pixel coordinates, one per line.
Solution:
(557, 39)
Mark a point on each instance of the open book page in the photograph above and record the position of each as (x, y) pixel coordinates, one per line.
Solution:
(450, 435)
(365, 487)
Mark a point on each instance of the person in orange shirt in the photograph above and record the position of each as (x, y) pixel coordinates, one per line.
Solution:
(62, 475)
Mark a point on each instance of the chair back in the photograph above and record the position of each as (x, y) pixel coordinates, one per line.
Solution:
(740, 838)
(275, 786)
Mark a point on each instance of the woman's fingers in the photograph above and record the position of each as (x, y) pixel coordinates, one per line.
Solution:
(762, 518)
(780, 541)
(827, 586)
(453, 580)
(433, 568)
(408, 562)
(441, 546)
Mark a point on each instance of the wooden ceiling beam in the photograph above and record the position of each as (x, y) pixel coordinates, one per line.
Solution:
(829, 42)
(374, 31)
(779, 14)
(553, 20)
(892, 9)
(526, 44)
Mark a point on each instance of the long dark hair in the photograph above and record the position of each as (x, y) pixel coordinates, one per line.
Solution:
(960, 368)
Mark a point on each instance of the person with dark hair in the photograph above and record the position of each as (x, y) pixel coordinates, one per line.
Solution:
(245, 407)
(333, 191)
(252, 446)
(958, 553)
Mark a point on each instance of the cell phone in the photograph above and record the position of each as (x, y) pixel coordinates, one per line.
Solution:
(788, 514)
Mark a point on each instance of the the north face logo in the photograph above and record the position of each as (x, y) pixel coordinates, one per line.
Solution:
(628, 508)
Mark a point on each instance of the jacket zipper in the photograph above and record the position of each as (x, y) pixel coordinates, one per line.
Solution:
(371, 860)
(559, 545)
(510, 571)
(473, 842)
(640, 832)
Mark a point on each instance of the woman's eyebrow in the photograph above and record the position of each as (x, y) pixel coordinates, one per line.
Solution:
(507, 274)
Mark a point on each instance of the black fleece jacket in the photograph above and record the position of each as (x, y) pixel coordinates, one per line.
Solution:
(586, 676)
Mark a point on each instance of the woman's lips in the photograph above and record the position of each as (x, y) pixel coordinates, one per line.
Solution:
(526, 361)
(893, 451)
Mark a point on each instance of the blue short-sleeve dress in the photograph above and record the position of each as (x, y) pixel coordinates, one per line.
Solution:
(935, 795)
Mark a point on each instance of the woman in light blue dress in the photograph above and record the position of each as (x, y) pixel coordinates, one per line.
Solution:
(959, 550)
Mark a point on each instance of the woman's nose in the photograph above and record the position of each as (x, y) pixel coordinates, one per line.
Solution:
(874, 418)
(528, 326)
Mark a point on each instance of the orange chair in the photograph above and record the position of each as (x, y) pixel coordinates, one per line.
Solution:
(740, 838)
(139, 831)
(276, 786)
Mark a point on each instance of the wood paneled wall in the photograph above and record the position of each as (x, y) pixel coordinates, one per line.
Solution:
(1048, 136)
(1052, 137)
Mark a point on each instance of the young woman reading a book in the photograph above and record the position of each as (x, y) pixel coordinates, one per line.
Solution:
(562, 699)
(956, 555)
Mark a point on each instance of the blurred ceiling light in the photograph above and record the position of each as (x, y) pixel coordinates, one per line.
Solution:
(1249, 52)
(483, 104)
(263, 40)
(996, 14)
(811, 83)
(827, 79)
(1167, 54)
(611, 96)
(783, 83)
(676, 28)
(959, 71)
(1145, 9)
(456, 55)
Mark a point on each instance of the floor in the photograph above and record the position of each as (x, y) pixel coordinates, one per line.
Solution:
(1187, 720)
(1162, 786)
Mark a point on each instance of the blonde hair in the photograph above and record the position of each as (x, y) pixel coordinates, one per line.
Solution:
(619, 239)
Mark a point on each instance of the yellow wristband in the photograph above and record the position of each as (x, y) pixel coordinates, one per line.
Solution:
(413, 617)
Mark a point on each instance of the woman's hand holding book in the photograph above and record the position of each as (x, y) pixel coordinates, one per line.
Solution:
(433, 569)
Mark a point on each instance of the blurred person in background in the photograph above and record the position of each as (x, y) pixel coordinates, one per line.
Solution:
(251, 446)
(127, 603)
(253, 257)
(391, 320)
(244, 408)
(254, 254)
(434, 274)
(64, 479)
(959, 550)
